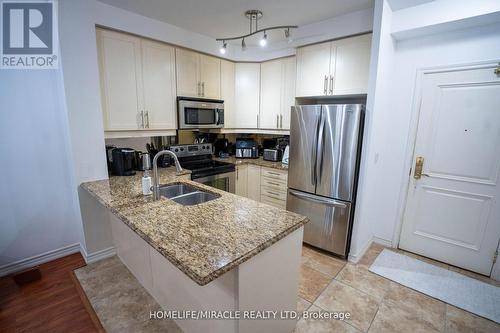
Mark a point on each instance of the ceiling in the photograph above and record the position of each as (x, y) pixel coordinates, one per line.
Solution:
(403, 4)
(225, 18)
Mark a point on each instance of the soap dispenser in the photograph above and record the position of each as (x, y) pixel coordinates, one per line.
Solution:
(146, 178)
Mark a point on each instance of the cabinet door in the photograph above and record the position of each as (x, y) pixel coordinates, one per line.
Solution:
(289, 74)
(158, 72)
(313, 69)
(188, 73)
(270, 94)
(352, 64)
(246, 93)
(253, 189)
(121, 82)
(210, 76)
(241, 180)
(227, 91)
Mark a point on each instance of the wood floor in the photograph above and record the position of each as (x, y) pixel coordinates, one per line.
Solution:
(52, 304)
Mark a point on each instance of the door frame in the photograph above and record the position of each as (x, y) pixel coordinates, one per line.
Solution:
(412, 138)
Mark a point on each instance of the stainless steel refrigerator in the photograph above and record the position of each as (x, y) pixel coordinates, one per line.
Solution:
(323, 169)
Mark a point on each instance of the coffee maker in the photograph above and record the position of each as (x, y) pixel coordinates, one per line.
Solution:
(123, 162)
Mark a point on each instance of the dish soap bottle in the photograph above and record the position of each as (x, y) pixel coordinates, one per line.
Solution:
(146, 178)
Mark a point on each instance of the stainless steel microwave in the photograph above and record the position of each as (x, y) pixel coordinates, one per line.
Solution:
(200, 113)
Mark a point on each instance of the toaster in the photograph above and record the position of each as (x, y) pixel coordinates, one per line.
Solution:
(272, 155)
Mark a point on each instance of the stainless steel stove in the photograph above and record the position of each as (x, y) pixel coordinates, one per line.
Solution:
(199, 159)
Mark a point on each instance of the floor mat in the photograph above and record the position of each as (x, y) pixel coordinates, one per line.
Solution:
(450, 287)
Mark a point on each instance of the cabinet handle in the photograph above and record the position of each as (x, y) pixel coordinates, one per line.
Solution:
(331, 84)
(147, 119)
(203, 89)
(276, 194)
(142, 119)
(273, 183)
(277, 121)
(257, 120)
(281, 121)
(237, 174)
(325, 86)
(199, 89)
(274, 173)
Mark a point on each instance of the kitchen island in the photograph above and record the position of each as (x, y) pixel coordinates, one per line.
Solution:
(231, 253)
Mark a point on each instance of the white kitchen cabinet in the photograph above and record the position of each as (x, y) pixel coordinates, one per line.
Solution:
(273, 189)
(313, 69)
(334, 68)
(246, 94)
(210, 76)
(277, 93)
(352, 64)
(158, 67)
(253, 189)
(198, 75)
(121, 80)
(270, 94)
(227, 91)
(289, 74)
(188, 73)
(137, 82)
(241, 186)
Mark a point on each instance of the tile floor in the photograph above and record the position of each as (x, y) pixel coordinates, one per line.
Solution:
(376, 304)
(326, 284)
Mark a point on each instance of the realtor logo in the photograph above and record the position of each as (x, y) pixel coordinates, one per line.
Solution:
(29, 34)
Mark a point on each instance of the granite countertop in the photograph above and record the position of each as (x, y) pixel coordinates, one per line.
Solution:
(256, 161)
(204, 241)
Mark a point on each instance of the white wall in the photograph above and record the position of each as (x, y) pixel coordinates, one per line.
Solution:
(38, 200)
(390, 143)
(371, 188)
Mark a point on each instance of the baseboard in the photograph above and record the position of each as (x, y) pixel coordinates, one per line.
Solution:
(99, 255)
(39, 259)
(354, 258)
(382, 241)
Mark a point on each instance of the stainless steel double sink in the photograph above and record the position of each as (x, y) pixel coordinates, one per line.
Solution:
(186, 194)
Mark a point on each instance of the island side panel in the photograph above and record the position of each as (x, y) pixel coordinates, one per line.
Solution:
(174, 290)
(270, 281)
(133, 251)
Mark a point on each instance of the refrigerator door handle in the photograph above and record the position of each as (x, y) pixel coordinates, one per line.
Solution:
(319, 150)
(314, 152)
(313, 198)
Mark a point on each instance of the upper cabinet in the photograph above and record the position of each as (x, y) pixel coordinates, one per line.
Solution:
(277, 93)
(334, 68)
(198, 75)
(227, 84)
(246, 95)
(158, 68)
(137, 82)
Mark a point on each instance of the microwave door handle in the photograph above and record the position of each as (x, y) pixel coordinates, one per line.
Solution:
(217, 117)
(315, 199)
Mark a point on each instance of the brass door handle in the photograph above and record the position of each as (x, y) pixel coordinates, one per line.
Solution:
(419, 165)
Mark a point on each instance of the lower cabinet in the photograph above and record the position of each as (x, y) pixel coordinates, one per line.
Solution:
(262, 184)
(241, 180)
(253, 188)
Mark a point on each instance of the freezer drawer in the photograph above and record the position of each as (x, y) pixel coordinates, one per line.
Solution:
(328, 228)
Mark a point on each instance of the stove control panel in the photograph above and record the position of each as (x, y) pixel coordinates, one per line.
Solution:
(192, 150)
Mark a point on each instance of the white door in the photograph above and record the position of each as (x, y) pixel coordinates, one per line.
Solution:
(453, 211)
(188, 73)
(210, 76)
(120, 74)
(246, 93)
(270, 94)
(313, 70)
(288, 91)
(158, 68)
(227, 91)
(351, 67)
